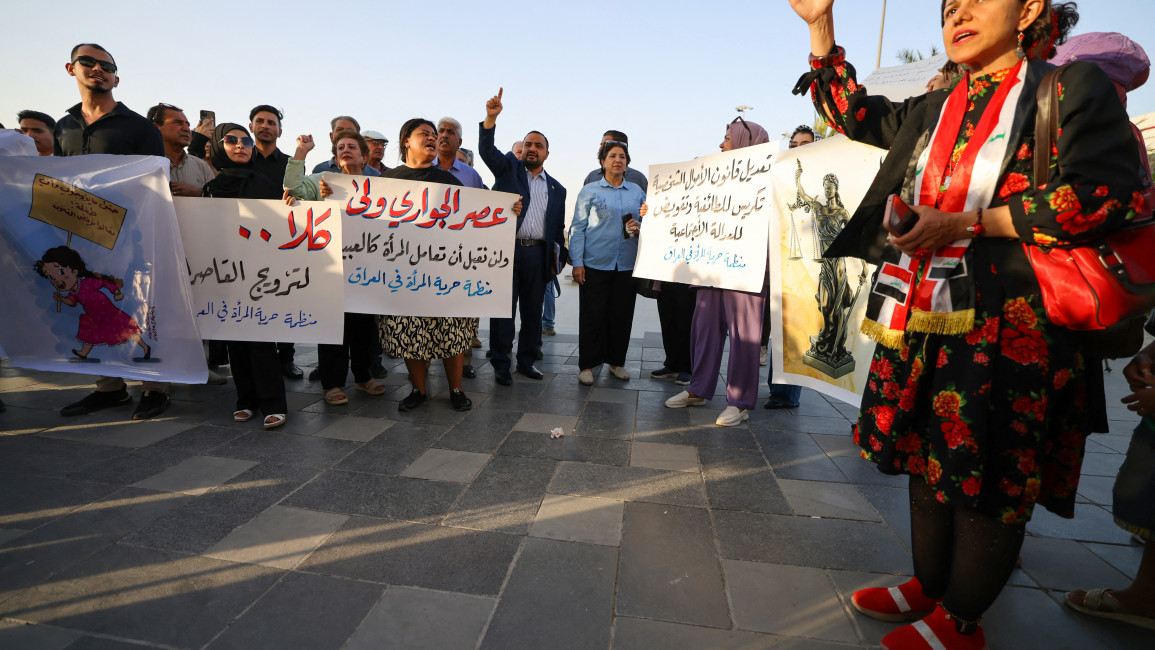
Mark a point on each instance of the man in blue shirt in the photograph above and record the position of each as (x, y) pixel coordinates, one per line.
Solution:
(539, 235)
(340, 123)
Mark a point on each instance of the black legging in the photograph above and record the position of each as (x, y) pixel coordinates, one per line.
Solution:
(960, 555)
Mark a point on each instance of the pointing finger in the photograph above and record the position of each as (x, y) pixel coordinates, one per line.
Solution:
(499, 91)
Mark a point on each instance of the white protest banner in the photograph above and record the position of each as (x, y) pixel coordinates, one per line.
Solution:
(707, 220)
(817, 305)
(93, 267)
(900, 82)
(425, 249)
(263, 270)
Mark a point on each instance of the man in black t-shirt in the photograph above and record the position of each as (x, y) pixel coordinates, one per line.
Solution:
(100, 124)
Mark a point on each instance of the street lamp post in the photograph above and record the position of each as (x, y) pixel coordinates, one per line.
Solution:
(881, 27)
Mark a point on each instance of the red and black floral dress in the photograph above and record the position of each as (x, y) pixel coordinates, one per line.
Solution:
(994, 419)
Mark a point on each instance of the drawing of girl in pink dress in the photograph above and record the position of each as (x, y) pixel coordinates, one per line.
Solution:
(102, 322)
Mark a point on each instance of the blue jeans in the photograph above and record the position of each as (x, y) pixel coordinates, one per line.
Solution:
(549, 307)
(784, 394)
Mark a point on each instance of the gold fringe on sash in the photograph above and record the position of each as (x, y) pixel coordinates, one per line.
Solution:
(882, 334)
(950, 323)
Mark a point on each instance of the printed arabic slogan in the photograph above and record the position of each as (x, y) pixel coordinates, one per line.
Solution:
(816, 304)
(90, 252)
(263, 270)
(425, 249)
(707, 220)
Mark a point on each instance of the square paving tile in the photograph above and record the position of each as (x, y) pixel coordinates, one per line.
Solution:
(801, 541)
(27, 502)
(655, 455)
(642, 634)
(581, 449)
(143, 433)
(354, 428)
(21, 454)
(629, 484)
(738, 479)
(205, 520)
(196, 475)
(287, 448)
(579, 519)
(446, 465)
(698, 435)
(545, 422)
(614, 395)
(606, 420)
(416, 619)
(153, 596)
(670, 569)
(581, 584)
(279, 537)
(830, 500)
(16, 635)
(393, 497)
(302, 611)
(1064, 565)
(505, 496)
(797, 456)
(394, 451)
(482, 430)
(416, 555)
(1029, 617)
(802, 600)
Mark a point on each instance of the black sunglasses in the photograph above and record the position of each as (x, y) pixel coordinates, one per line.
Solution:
(90, 62)
(747, 126)
(246, 141)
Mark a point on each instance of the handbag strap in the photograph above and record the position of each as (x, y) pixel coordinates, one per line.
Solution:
(1046, 124)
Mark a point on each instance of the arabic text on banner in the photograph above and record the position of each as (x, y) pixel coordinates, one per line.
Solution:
(263, 270)
(707, 220)
(425, 249)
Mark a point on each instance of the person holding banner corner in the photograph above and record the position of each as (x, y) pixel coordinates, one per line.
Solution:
(972, 391)
(420, 338)
(100, 124)
(356, 350)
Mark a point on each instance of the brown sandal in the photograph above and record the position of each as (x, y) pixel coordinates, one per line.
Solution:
(370, 387)
(335, 397)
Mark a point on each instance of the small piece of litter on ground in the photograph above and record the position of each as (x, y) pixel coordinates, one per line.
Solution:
(556, 433)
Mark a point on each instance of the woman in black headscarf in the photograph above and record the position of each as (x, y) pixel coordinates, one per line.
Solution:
(256, 368)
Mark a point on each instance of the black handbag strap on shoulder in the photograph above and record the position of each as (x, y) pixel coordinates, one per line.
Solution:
(1046, 123)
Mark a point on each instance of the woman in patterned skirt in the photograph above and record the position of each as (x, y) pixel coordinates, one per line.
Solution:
(973, 392)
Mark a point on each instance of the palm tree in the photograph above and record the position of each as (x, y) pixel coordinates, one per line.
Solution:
(907, 55)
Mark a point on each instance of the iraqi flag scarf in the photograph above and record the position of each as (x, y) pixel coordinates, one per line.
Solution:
(936, 294)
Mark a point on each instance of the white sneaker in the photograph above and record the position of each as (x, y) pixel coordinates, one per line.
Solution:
(762, 356)
(731, 417)
(620, 372)
(586, 378)
(683, 399)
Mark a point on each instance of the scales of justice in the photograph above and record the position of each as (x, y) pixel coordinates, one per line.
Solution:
(827, 353)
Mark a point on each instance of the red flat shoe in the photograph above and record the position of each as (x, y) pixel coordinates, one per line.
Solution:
(935, 632)
(905, 602)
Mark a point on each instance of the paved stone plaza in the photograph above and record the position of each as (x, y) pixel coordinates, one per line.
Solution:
(361, 527)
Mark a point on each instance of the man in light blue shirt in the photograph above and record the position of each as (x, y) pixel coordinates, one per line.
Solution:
(448, 143)
(337, 124)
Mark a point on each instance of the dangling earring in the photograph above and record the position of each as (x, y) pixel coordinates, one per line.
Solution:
(1022, 54)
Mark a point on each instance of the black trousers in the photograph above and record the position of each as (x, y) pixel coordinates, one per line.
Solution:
(529, 295)
(606, 304)
(257, 376)
(356, 352)
(676, 314)
(286, 352)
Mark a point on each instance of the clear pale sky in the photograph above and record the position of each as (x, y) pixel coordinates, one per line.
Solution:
(669, 74)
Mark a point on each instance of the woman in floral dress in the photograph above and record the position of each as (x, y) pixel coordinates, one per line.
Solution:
(972, 392)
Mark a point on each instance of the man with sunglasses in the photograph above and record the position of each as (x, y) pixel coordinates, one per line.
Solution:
(100, 124)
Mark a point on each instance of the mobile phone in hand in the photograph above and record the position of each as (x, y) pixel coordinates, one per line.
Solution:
(899, 218)
(209, 117)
